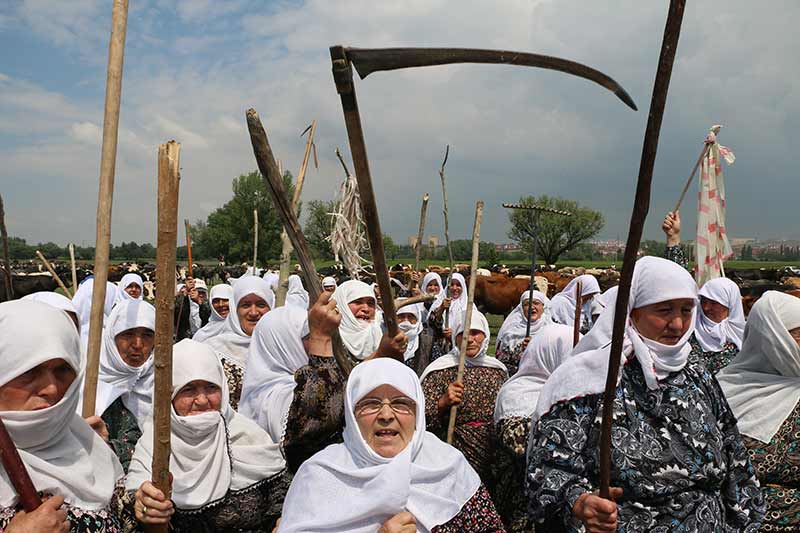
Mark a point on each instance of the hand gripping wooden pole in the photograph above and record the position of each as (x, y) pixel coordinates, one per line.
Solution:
(108, 161)
(476, 240)
(576, 326)
(641, 205)
(73, 268)
(168, 186)
(52, 271)
(190, 266)
(17, 473)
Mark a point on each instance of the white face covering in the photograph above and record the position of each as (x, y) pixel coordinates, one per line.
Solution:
(763, 382)
(349, 487)
(711, 335)
(412, 331)
(62, 454)
(360, 338)
(200, 462)
(563, 304)
(512, 332)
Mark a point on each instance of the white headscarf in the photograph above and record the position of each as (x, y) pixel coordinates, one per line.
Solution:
(412, 331)
(437, 301)
(512, 332)
(276, 353)
(601, 301)
(62, 454)
(546, 351)
(763, 382)
(360, 338)
(654, 280)
(349, 487)
(328, 281)
(231, 342)
(53, 299)
(562, 306)
(457, 306)
(451, 359)
(296, 295)
(711, 335)
(83, 304)
(204, 462)
(123, 284)
(216, 323)
(117, 378)
(272, 278)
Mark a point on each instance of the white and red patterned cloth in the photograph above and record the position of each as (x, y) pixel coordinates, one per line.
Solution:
(712, 240)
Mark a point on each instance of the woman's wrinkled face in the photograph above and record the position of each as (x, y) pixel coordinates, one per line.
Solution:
(407, 317)
(795, 333)
(455, 289)
(536, 311)
(363, 308)
(250, 310)
(40, 387)
(474, 341)
(664, 322)
(135, 345)
(134, 290)
(221, 306)
(197, 397)
(433, 287)
(387, 420)
(713, 310)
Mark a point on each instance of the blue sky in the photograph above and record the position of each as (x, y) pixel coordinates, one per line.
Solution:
(193, 67)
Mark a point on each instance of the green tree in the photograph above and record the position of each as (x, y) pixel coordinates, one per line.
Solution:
(554, 234)
(319, 226)
(390, 249)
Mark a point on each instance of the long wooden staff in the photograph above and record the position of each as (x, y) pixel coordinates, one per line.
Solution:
(269, 171)
(73, 268)
(703, 153)
(286, 244)
(52, 271)
(255, 242)
(108, 160)
(418, 245)
(6, 261)
(576, 326)
(641, 205)
(190, 267)
(476, 240)
(17, 473)
(168, 186)
(446, 233)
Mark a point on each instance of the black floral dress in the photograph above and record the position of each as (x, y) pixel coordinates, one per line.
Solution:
(123, 431)
(441, 344)
(478, 515)
(714, 361)
(509, 356)
(676, 453)
(509, 467)
(778, 467)
(234, 374)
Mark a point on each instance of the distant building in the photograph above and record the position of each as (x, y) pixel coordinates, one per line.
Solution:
(508, 247)
(432, 241)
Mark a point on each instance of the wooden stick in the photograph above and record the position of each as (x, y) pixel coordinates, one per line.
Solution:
(108, 160)
(421, 232)
(476, 240)
(168, 186)
(286, 244)
(703, 153)
(7, 263)
(641, 205)
(576, 326)
(446, 234)
(17, 472)
(255, 242)
(50, 269)
(190, 268)
(269, 171)
(403, 302)
(73, 268)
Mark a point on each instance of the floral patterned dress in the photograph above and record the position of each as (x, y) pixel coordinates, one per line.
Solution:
(778, 467)
(714, 360)
(676, 453)
(509, 466)
(123, 431)
(234, 373)
(478, 515)
(441, 344)
(509, 357)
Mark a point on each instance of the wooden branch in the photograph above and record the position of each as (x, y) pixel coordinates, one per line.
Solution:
(421, 232)
(269, 171)
(17, 472)
(444, 202)
(344, 165)
(476, 240)
(73, 268)
(7, 263)
(189, 247)
(50, 269)
(255, 242)
(108, 159)
(403, 302)
(703, 153)
(576, 326)
(641, 205)
(168, 186)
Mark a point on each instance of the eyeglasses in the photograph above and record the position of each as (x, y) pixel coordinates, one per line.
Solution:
(371, 406)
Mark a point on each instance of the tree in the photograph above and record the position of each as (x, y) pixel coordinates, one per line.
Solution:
(390, 249)
(319, 227)
(555, 234)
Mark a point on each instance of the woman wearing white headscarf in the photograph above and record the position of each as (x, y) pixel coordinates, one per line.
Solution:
(390, 474)
(252, 299)
(228, 475)
(296, 295)
(720, 324)
(417, 355)
(125, 383)
(678, 460)
(511, 339)
(562, 305)
(475, 395)
(130, 287)
(221, 296)
(515, 404)
(762, 386)
(329, 283)
(360, 330)
(59, 301)
(454, 302)
(40, 365)
(83, 304)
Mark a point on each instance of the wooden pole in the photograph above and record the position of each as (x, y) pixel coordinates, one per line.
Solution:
(190, 269)
(403, 302)
(7, 263)
(73, 268)
(703, 153)
(50, 269)
(421, 232)
(576, 326)
(446, 232)
(286, 244)
(16, 471)
(168, 186)
(641, 205)
(476, 240)
(108, 160)
(255, 242)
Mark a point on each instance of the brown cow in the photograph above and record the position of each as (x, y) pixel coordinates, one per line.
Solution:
(498, 294)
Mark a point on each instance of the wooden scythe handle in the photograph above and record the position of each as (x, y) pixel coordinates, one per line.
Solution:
(17, 473)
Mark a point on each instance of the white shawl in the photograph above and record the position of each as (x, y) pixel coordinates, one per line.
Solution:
(296, 295)
(53, 299)
(762, 383)
(512, 332)
(62, 454)
(712, 335)
(412, 331)
(562, 306)
(126, 280)
(83, 304)
(204, 462)
(360, 338)
(216, 323)
(437, 301)
(276, 353)
(457, 306)
(349, 487)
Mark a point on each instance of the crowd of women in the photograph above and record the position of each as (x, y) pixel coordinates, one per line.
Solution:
(268, 432)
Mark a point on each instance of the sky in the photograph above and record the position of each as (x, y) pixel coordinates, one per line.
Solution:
(192, 68)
